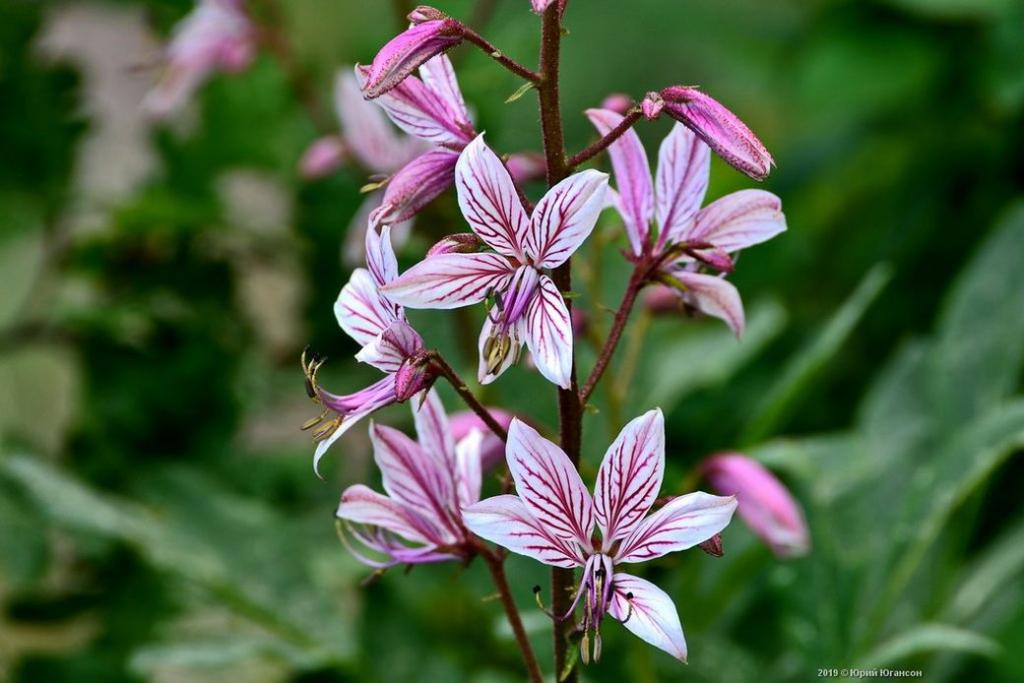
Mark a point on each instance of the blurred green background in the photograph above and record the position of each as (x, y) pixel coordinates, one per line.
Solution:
(159, 519)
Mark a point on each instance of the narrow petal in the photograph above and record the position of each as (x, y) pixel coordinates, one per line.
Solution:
(489, 201)
(412, 476)
(380, 256)
(714, 296)
(564, 217)
(361, 311)
(407, 51)
(630, 477)
(359, 405)
(740, 220)
(468, 468)
(720, 128)
(433, 431)
(649, 613)
(549, 485)
(363, 505)
(439, 76)
(366, 129)
(391, 348)
(450, 281)
(549, 333)
(323, 156)
(498, 350)
(414, 186)
(505, 520)
(684, 166)
(632, 176)
(493, 448)
(682, 523)
(354, 246)
(421, 112)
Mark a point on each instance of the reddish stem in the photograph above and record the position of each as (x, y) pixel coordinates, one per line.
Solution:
(592, 150)
(497, 55)
(448, 372)
(495, 564)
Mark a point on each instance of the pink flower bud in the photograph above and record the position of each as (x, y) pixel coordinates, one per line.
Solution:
(425, 13)
(407, 51)
(540, 5)
(413, 376)
(459, 243)
(579, 321)
(414, 186)
(324, 155)
(526, 166)
(492, 449)
(719, 128)
(764, 503)
(652, 106)
(618, 103)
(662, 299)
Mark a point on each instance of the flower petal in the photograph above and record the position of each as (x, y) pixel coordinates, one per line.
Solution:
(683, 523)
(649, 613)
(380, 256)
(740, 220)
(450, 281)
(505, 520)
(407, 51)
(412, 476)
(391, 347)
(420, 112)
(489, 201)
(549, 484)
(632, 177)
(366, 129)
(439, 76)
(360, 309)
(468, 468)
(363, 505)
(549, 333)
(714, 296)
(354, 245)
(630, 477)
(564, 217)
(373, 397)
(495, 359)
(433, 431)
(415, 185)
(684, 166)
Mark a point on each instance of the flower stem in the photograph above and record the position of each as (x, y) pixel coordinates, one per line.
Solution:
(569, 409)
(592, 150)
(448, 372)
(497, 55)
(496, 565)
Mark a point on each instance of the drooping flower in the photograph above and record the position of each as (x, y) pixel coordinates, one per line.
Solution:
(528, 307)
(427, 481)
(408, 51)
(715, 125)
(389, 344)
(688, 238)
(553, 516)
(216, 36)
(765, 504)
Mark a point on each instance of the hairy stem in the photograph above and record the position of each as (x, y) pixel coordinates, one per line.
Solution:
(595, 148)
(497, 55)
(446, 371)
(495, 563)
(569, 411)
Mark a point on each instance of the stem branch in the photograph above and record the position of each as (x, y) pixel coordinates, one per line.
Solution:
(497, 568)
(497, 55)
(446, 371)
(595, 148)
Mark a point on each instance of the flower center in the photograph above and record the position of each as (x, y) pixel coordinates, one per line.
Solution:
(596, 590)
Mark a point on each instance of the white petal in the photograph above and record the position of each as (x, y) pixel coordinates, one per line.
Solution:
(468, 468)
(433, 431)
(714, 296)
(360, 309)
(549, 333)
(564, 217)
(549, 485)
(391, 347)
(439, 76)
(630, 476)
(489, 201)
(506, 521)
(380, 256)
(683, 523)
(684, 166)
(632, 177)
(363, 505)
(649, 613)
(366, 129)
(450, 281)
(739, 220)
(420, 112)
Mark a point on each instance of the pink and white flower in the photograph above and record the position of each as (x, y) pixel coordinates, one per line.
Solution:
(427, 481)
(552, 520)
(216, 35)
(389, 344)
(492, 448)
(688, 238)
(765, 504)
(528, 307)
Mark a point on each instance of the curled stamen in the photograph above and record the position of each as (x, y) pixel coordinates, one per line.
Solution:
(540, 603)
(629, 612)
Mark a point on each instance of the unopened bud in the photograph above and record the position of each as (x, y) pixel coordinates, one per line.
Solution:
(426, 13)
(618, 103)
(652, 106)
(458, 243)
(713, 546)
(414, 375)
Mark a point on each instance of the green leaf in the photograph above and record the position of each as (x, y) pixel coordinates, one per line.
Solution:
(986, 578)
(929, 638)
(520, 91)
(956, 9)
(808, 362)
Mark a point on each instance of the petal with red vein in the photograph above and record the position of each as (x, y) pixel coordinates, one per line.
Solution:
(683, 523)
(564, 217)
(450, 281)
(549, 333)
(649, 613)
(684, 166)
(489, 201)
(361, 311)
(740, 220)
(505, 520)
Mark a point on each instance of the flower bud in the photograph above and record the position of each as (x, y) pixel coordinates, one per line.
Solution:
(540, 5)
(652, 106)
(458, 243)
(713, 546)
(414, 186)
(492, 448)
(425, 13)
(764, 502)
(324, 155)
(719, 128)
(526, 166)
(661, 299)
(413, 376)
(618, 103)
(407, 51)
